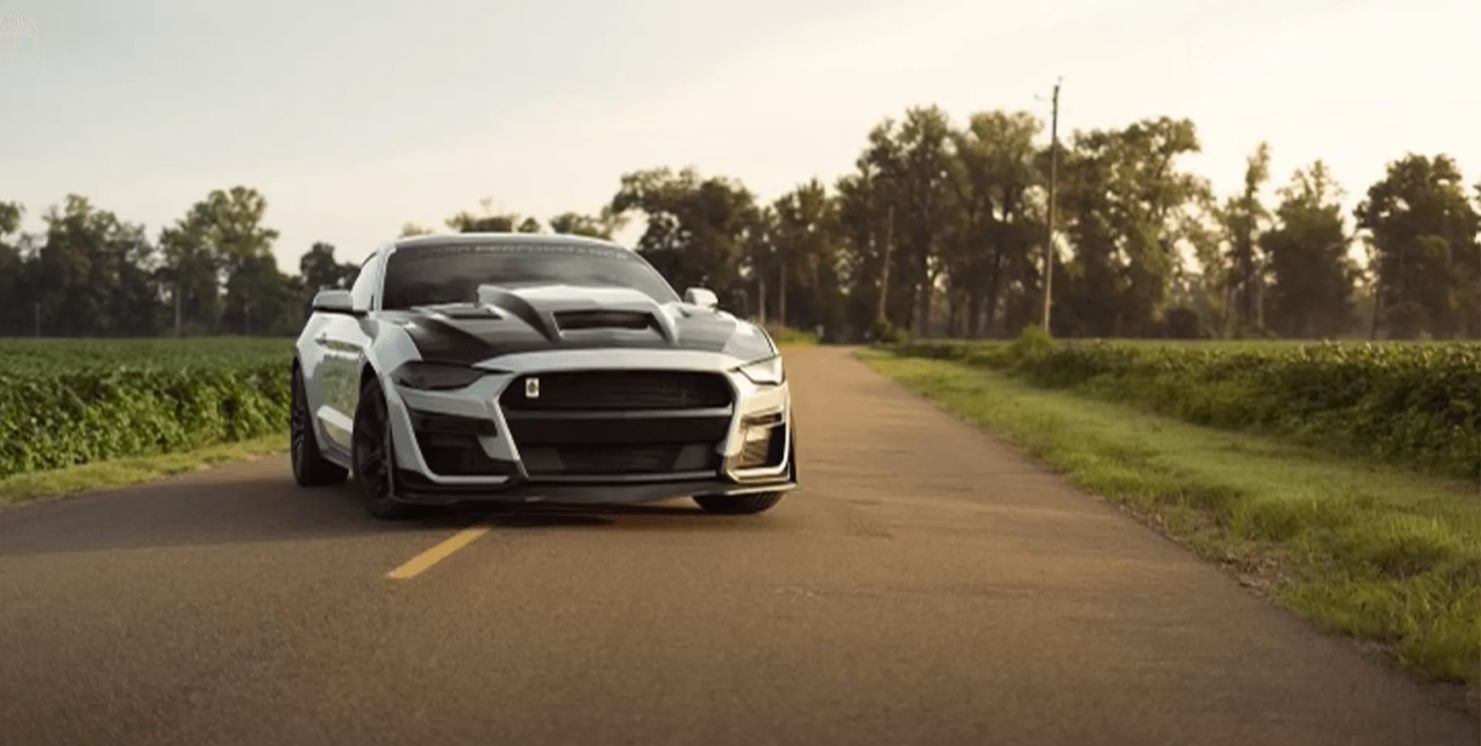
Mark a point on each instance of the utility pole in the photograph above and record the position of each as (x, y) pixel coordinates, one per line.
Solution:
(36, 310)
(177, 306)
(1049, 232)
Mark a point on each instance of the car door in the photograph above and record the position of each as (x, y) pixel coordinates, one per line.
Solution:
(342, 342)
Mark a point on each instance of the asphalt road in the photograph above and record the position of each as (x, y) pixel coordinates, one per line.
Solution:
(928, 586)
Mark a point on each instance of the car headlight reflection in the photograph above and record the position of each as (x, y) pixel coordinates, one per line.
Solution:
(768, 372)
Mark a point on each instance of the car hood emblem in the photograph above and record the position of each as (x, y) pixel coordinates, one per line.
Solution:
(532, 388)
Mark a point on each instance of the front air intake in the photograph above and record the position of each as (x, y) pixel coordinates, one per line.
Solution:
(579, 320)
(633, 424)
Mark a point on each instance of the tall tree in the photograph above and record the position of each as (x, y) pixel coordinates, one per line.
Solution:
(93, 273)
(904, 176)
(698, 228)
(1312, 277)
(10, 218)
(1203, 292)
(1422, 227)
(924, 214)
(467, 222)
(996, 223)
(232, 219)
(1243, 218)
(319, 269)
(14, 287)
(489, 221)
(602, 225)
(865, 220)
(191, 276)
(220, 238)
(268, 301)
(1127, 211)
(806, 257)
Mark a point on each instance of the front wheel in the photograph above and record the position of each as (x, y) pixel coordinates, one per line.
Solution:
(738, 504)
(310, 468)
(375, 465)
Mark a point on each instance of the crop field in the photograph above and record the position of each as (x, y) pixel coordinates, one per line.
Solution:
(69, 402)
(1414, 405)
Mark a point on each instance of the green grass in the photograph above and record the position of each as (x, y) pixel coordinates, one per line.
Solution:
(132, 470)
(786, 336)
(1415, 406)
(1379, 553)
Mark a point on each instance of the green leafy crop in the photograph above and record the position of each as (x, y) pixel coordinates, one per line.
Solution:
(64, 403)
(1412, 404)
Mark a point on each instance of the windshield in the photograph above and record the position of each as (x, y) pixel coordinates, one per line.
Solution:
(429, 275)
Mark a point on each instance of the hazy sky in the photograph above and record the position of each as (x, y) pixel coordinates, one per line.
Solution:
(354, 118)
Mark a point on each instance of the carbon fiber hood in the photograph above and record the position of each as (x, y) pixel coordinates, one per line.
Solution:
(512, 320)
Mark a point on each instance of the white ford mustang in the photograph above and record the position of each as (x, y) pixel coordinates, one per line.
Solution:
(525, 368)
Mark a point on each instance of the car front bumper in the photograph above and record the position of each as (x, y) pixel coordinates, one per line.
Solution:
(727, 467)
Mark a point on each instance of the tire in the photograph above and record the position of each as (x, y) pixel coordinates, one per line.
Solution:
(310, 468)
(372, 455)
(738, 504)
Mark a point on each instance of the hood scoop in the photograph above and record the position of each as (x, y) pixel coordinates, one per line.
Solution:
(590, 312)
(603, 319)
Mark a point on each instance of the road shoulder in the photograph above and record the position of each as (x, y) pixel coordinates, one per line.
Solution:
(1343, 544)
(124, 472)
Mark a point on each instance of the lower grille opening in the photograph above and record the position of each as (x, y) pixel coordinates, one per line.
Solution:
(596, 460)
(450, 446)
(764, 451)
(451, 455)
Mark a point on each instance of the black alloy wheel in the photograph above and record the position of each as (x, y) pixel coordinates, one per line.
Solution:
(310, 468)
(373, 455)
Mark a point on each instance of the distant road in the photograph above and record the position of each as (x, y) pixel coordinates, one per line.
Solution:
(928, 586)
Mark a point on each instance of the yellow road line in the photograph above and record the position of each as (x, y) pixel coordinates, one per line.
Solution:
(418, 564)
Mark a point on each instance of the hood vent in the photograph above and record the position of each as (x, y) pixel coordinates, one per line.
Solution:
(461, 310)
(578, 320)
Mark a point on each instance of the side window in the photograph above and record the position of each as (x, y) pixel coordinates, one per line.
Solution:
(362, 293)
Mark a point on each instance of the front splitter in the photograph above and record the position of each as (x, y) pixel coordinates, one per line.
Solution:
(584, 493)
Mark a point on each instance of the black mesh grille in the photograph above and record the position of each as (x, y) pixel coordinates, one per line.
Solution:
(608, 390)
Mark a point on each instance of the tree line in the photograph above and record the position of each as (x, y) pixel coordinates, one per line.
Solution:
(939, 229)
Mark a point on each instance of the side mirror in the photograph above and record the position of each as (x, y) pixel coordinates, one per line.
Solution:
(335, 301)
(701, 297)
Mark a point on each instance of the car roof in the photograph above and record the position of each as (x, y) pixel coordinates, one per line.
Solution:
(498, 239)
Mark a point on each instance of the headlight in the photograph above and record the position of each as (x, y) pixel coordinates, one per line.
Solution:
(765, 372)
(419, 374)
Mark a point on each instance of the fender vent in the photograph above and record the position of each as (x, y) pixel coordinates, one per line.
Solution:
(577, 320)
